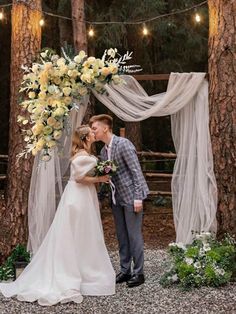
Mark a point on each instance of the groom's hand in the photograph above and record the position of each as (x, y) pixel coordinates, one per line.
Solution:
(138, 206)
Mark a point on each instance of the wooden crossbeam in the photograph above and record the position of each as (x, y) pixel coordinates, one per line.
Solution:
(156, 77)
(156, 154)
(158, 175)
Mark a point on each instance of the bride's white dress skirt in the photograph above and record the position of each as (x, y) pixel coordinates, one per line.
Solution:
(73, 260)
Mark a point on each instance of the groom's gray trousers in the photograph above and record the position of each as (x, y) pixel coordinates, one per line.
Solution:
(129, 233)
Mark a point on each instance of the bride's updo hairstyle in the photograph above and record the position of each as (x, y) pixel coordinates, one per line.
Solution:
(79, 139)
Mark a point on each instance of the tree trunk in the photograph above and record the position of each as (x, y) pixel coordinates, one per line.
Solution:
(133, 133)
(222, 77)
(79, 26)
(80, 41)
(25, 43)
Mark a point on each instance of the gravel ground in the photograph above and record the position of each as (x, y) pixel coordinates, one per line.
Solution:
(148, 298)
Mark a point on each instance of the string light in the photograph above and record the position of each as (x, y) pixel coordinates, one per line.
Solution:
(91, 32)
(145, 30)
(197, 18)
(124, 22)
(41, 22)
(1, 15)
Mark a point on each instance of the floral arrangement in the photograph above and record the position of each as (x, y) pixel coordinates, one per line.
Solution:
(19, 253)
(205, 262)
(107, 167)
(52, 87)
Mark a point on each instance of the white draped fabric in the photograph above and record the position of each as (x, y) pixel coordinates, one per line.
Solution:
(194, 190)
(46, 182)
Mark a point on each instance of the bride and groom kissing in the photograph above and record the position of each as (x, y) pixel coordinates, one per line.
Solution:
(72, 260)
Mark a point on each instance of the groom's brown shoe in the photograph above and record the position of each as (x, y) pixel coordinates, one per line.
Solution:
(121, 277)
(136, 280)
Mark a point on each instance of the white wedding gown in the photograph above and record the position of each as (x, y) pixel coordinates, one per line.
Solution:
(72, 260)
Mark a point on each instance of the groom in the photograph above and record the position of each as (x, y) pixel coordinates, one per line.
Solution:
(130, 191)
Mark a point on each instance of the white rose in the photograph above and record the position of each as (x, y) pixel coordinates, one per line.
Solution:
(61, 62)
(66, 91)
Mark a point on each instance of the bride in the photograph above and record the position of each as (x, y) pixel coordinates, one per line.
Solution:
(72, 260)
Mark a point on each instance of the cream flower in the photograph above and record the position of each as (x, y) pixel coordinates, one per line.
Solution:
(80, 56)
(66, 91)
(37, 128)
(35, 68)
(83, 90)
(58, 125)
(87, 77)
(47, 130)
(51, 121)
(61, 62)
(32, 95)
(71, 65)
(42, 95)
(34, 151)
(57, 80)
(113, 68)
(40, 144)
(57, 134)
(67, 100)
(105, 71)
(59, 112)
(51, 144)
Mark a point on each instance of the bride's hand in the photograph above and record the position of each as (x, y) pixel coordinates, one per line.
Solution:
(104, 179)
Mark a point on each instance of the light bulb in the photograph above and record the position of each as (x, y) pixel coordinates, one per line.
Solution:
(41, 22)
(91, 32)
(1, 16)
(145, 30)
(197, 18)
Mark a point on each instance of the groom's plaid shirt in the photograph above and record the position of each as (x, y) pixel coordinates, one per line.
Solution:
(129, 180)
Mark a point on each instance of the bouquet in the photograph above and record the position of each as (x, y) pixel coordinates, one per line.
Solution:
(107, 167)
(103, 168)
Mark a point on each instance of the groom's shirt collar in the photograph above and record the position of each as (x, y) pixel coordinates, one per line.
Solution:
(108, 148)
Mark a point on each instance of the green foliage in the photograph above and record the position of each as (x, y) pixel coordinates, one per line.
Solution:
(206, 262)
(19, 254)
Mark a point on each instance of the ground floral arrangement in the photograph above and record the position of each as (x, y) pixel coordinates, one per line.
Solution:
(19, 253)
(205, 262)
(54, 85)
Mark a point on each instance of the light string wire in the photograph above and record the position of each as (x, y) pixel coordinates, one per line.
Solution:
(119, 22)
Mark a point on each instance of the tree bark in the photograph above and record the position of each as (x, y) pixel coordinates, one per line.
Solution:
(25, 43)
(79, 26)
(134, 134)
(222, 96)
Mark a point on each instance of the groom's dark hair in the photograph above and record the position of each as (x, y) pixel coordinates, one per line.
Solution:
(104, 118)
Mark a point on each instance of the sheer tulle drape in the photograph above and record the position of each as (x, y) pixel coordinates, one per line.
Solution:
(193, 184)
(46, 182)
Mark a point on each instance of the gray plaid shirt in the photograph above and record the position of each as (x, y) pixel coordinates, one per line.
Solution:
(129, 180)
